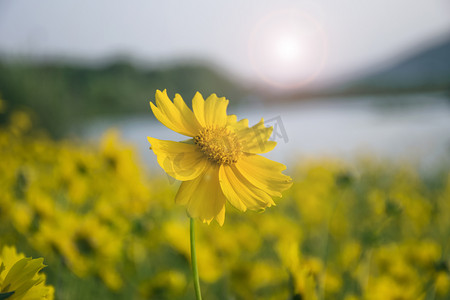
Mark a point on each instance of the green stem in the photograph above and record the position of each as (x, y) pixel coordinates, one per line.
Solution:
(198, 294)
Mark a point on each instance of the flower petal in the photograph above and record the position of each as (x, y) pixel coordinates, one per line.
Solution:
(177, 117)
(198, 106)
(212, 112)
(182, 161)
(256, 139)
(241, 193)
(23, 276)
(216, 111)
(189, 119)
(264, 174)
(233, 123)
(203, 196)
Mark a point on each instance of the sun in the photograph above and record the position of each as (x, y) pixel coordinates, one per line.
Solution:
(287, 49)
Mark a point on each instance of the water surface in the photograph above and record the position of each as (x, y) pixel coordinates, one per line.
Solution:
(407, 127)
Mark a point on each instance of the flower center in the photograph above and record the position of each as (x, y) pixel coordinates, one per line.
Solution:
(219, 145)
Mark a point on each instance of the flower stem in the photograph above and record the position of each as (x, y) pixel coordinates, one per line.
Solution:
(198, 294)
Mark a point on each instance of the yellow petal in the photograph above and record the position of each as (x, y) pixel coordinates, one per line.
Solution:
(220, 218)
(254, 139)
(231, 119)
(182, 161)
(198, 106)
(212, 112)
(188, 117)
(22, 276)
(203, 196)
(240, 192)
(233, 123)
(216, 111)
(9, 257)
(264, 174)
(176, 116)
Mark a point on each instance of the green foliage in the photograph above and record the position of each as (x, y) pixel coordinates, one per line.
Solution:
(61, 96)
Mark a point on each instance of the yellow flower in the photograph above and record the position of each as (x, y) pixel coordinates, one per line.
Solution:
(220, 161)
(20, 278)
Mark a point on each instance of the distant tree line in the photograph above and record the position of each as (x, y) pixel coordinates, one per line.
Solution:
(62, 95)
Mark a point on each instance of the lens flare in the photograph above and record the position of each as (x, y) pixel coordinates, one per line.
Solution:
(288, 49)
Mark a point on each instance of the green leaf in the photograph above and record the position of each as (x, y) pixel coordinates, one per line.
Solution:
(6, 295)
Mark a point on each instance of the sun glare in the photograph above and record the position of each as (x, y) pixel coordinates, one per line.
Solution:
(288, 49)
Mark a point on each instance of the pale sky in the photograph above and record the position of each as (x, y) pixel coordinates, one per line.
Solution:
(257, 40)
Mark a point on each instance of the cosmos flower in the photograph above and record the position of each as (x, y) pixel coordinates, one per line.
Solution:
(20, 278)
(220, 161)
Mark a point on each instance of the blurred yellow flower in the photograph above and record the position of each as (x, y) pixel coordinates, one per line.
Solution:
(167, 284)
(220, 161)
(2, 105)
(442, 283)
(20, 278)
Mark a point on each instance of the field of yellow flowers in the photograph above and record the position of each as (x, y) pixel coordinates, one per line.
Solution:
(108, 229)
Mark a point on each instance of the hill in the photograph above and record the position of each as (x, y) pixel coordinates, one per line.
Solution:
(419, 71)
(428, 69)
(62, 95)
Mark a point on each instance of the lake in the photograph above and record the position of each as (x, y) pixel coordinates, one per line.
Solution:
(403, 127)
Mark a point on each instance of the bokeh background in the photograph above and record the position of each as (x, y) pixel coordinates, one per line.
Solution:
(358, 94)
